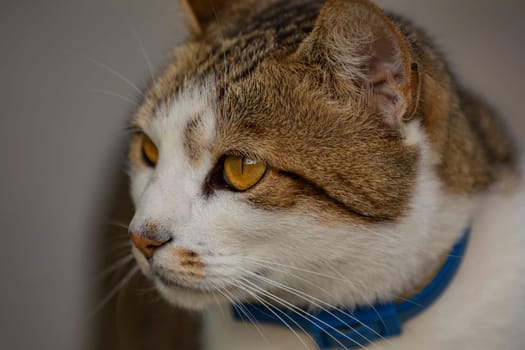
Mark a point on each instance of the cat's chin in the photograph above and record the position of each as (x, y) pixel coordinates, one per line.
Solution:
(187, 297)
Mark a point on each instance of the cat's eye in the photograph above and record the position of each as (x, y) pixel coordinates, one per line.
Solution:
(242, 173)
(149, 151)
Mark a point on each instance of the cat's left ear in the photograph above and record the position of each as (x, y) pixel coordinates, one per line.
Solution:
(363, 48)
(200, 13)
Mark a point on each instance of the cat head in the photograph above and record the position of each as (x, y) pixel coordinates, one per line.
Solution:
(281, 151)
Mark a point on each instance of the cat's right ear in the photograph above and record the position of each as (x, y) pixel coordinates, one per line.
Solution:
(200, 13)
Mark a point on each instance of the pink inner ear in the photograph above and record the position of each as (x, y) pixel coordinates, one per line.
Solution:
(385, 77)
(385, 62)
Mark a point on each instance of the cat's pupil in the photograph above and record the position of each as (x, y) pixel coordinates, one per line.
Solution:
(150, 153)
(242, 173)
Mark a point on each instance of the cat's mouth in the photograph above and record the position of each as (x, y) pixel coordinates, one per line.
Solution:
(192, 296)
(197, 294)
(177, 285)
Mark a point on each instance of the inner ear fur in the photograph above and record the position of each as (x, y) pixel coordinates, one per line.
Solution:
(365, 50)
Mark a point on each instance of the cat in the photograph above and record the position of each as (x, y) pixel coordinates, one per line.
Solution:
(316, 156)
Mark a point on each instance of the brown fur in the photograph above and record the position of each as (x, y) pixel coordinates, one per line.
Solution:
(473, 144)
(280, 87)
(190, 262)
(194, 142)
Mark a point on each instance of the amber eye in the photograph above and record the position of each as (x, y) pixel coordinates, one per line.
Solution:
(149, 150)
(242, 173)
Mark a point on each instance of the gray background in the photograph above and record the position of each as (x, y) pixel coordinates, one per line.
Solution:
(63, 139)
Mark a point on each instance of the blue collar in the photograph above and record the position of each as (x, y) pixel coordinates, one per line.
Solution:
(349, 329)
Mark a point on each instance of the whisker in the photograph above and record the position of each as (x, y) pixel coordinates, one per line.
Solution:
(304, 314)
(393, 238)
(114, 243)
(113, 292)
(329, 294)
(310, 283)
(150, 291)
(269, 308)
(115, 266)
(369, 304)
(115, 72)
(109, 69)
(219, 304)
(121, 239)
(265, 262)
(118, 224)
(317, 302)
(144, 53)
(353, 284)
(111, 93)
(116, 253)
(245, 312)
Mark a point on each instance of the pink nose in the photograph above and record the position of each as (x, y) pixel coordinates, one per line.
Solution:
(146, 246)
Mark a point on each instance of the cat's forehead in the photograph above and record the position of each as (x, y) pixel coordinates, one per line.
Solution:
(229, 52)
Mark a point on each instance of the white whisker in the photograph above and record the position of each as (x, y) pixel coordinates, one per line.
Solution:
(369, 304)
(115, 72)
(144, 53)
(302, 314)
(109, 69)
(113, 291)
(304, 280)
(219, 303)
(316, 302)
(123, 239)
(265, 263)
(269, 308)
(118, 224)
(111, 93)
(115, 266)
(245, 312)
(117, 245)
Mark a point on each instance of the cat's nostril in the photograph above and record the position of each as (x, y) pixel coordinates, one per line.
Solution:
(145, 245)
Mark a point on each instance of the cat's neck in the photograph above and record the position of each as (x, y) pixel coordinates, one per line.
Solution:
(482, 256)
(222, 331)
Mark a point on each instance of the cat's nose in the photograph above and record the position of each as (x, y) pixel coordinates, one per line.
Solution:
(147, 246)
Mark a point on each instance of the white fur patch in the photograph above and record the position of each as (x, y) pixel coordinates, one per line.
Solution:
(413, 133)
(172, 185)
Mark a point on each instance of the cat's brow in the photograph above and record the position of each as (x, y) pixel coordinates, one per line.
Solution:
(194, 141)
(133, 125)
(138, 123)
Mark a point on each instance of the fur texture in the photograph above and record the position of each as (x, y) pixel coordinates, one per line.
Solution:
(377, 161)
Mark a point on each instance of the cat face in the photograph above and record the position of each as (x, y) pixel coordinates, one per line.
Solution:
(277, 158)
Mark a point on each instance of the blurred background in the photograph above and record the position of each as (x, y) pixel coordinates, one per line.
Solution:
(71, 75)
